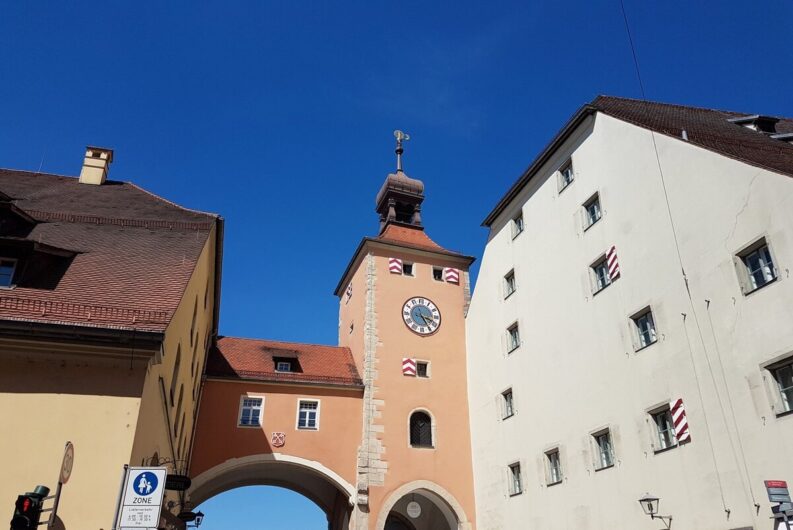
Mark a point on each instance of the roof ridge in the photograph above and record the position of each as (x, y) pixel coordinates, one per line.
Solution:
(37, 172)
(680, 106)
(283, 341)
(71, 217)
(171, 203)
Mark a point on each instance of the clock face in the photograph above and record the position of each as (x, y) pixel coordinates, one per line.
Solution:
(421, 316)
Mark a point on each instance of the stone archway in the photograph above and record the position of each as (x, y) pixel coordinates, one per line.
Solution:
(323, 486)
(439, 509)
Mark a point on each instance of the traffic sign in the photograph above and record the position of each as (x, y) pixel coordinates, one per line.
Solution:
(68, 461)
(141, 500)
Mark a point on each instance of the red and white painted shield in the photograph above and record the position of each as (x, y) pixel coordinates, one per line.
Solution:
(278, 439)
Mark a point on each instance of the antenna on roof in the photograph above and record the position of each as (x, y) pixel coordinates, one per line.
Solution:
(400, 137)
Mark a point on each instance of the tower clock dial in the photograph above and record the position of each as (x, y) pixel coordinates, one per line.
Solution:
(421, 316)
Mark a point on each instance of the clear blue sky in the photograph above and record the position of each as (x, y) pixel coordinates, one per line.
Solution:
(279, 115)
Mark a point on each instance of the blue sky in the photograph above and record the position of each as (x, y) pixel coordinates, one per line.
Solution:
(279, 116)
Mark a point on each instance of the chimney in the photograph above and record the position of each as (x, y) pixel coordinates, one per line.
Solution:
(96, 164)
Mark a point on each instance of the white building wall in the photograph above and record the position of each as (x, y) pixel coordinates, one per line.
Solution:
(577, 372)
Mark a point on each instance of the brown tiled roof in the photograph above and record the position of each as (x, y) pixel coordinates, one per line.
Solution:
(255, 359)
(706, 128)
(135, 252)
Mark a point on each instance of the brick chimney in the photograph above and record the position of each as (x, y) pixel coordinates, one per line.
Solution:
(96, 164)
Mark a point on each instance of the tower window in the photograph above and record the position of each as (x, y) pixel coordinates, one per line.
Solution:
(420, 430)
(437, 274)
(407, 269)
(422, 369)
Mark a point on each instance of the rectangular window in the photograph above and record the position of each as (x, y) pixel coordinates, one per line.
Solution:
(605, 450)
(554, 467)
(566, 175)
(515, 481)
(592, 211)
(7, 268)
(513, 338)
(509, 283)
(437, 274)
(308, 415)
(508, 406)
(517, 225)
(407, 269)
(664, 428)
(644, 329)
(759, 269)
(175, 374)
(250, 411)
(422, 369)
(784, 382)
(283, 366)
(600, 275)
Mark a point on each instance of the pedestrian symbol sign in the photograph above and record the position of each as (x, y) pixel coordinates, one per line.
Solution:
(145, 483)
(141, 498)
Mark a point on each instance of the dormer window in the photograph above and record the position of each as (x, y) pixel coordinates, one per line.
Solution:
(7, 268)
(283, 366)
(756, 122)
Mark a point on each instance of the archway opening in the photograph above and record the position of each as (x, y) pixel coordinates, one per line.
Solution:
(329, 494)
(421, 509)
(262, 507)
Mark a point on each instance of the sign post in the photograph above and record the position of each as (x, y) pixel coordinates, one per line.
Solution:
(63, 478)
(778, 492)
(140, 502)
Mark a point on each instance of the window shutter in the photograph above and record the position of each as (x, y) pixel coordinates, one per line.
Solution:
(679, 420)
(613, 264)
(409, 366)
(395, 265)
(451, 275)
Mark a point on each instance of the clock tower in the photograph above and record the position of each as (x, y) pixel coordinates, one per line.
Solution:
(402, 305)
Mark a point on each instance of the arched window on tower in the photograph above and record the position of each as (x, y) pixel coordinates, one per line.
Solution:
(420, 429)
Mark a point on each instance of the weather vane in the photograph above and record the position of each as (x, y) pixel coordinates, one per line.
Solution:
(400, 137)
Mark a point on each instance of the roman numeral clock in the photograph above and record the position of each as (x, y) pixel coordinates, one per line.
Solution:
(421, 316)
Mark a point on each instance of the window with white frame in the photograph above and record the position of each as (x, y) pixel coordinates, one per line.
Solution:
(783, 376)
(517, 225)
(554, 467)
(566, 175)
(592, 211)
(515, 479)
(283, 366)
(600, 275)
(509, 283)
(308, 414)
(513, 337)
(757, 266)
(644, 329)
(7, 268)
(407, 269)
(507, 404)
(250, 411)
(604, 449)
(664, 428)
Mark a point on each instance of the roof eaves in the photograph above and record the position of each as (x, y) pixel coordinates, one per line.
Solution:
(545, 154)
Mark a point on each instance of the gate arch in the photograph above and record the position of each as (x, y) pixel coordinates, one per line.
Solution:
(451, 509)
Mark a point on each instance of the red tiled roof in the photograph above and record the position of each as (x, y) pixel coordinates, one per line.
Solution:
(413, 237)
(706, 128)
(135, 252)
(255, 359)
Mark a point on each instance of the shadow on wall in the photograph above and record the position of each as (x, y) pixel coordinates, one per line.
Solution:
(44, 375)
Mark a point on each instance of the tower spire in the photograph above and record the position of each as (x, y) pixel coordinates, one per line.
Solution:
(400, 137)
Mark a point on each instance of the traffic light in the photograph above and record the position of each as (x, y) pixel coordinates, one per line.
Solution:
(27, 510)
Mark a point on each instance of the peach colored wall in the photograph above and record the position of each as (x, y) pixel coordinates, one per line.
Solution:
(218, 438)
(444, 394)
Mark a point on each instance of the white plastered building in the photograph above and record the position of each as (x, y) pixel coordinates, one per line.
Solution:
(643, 258)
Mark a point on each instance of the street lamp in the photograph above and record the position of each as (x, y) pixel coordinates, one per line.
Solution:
(650, 506)
(199, 518)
